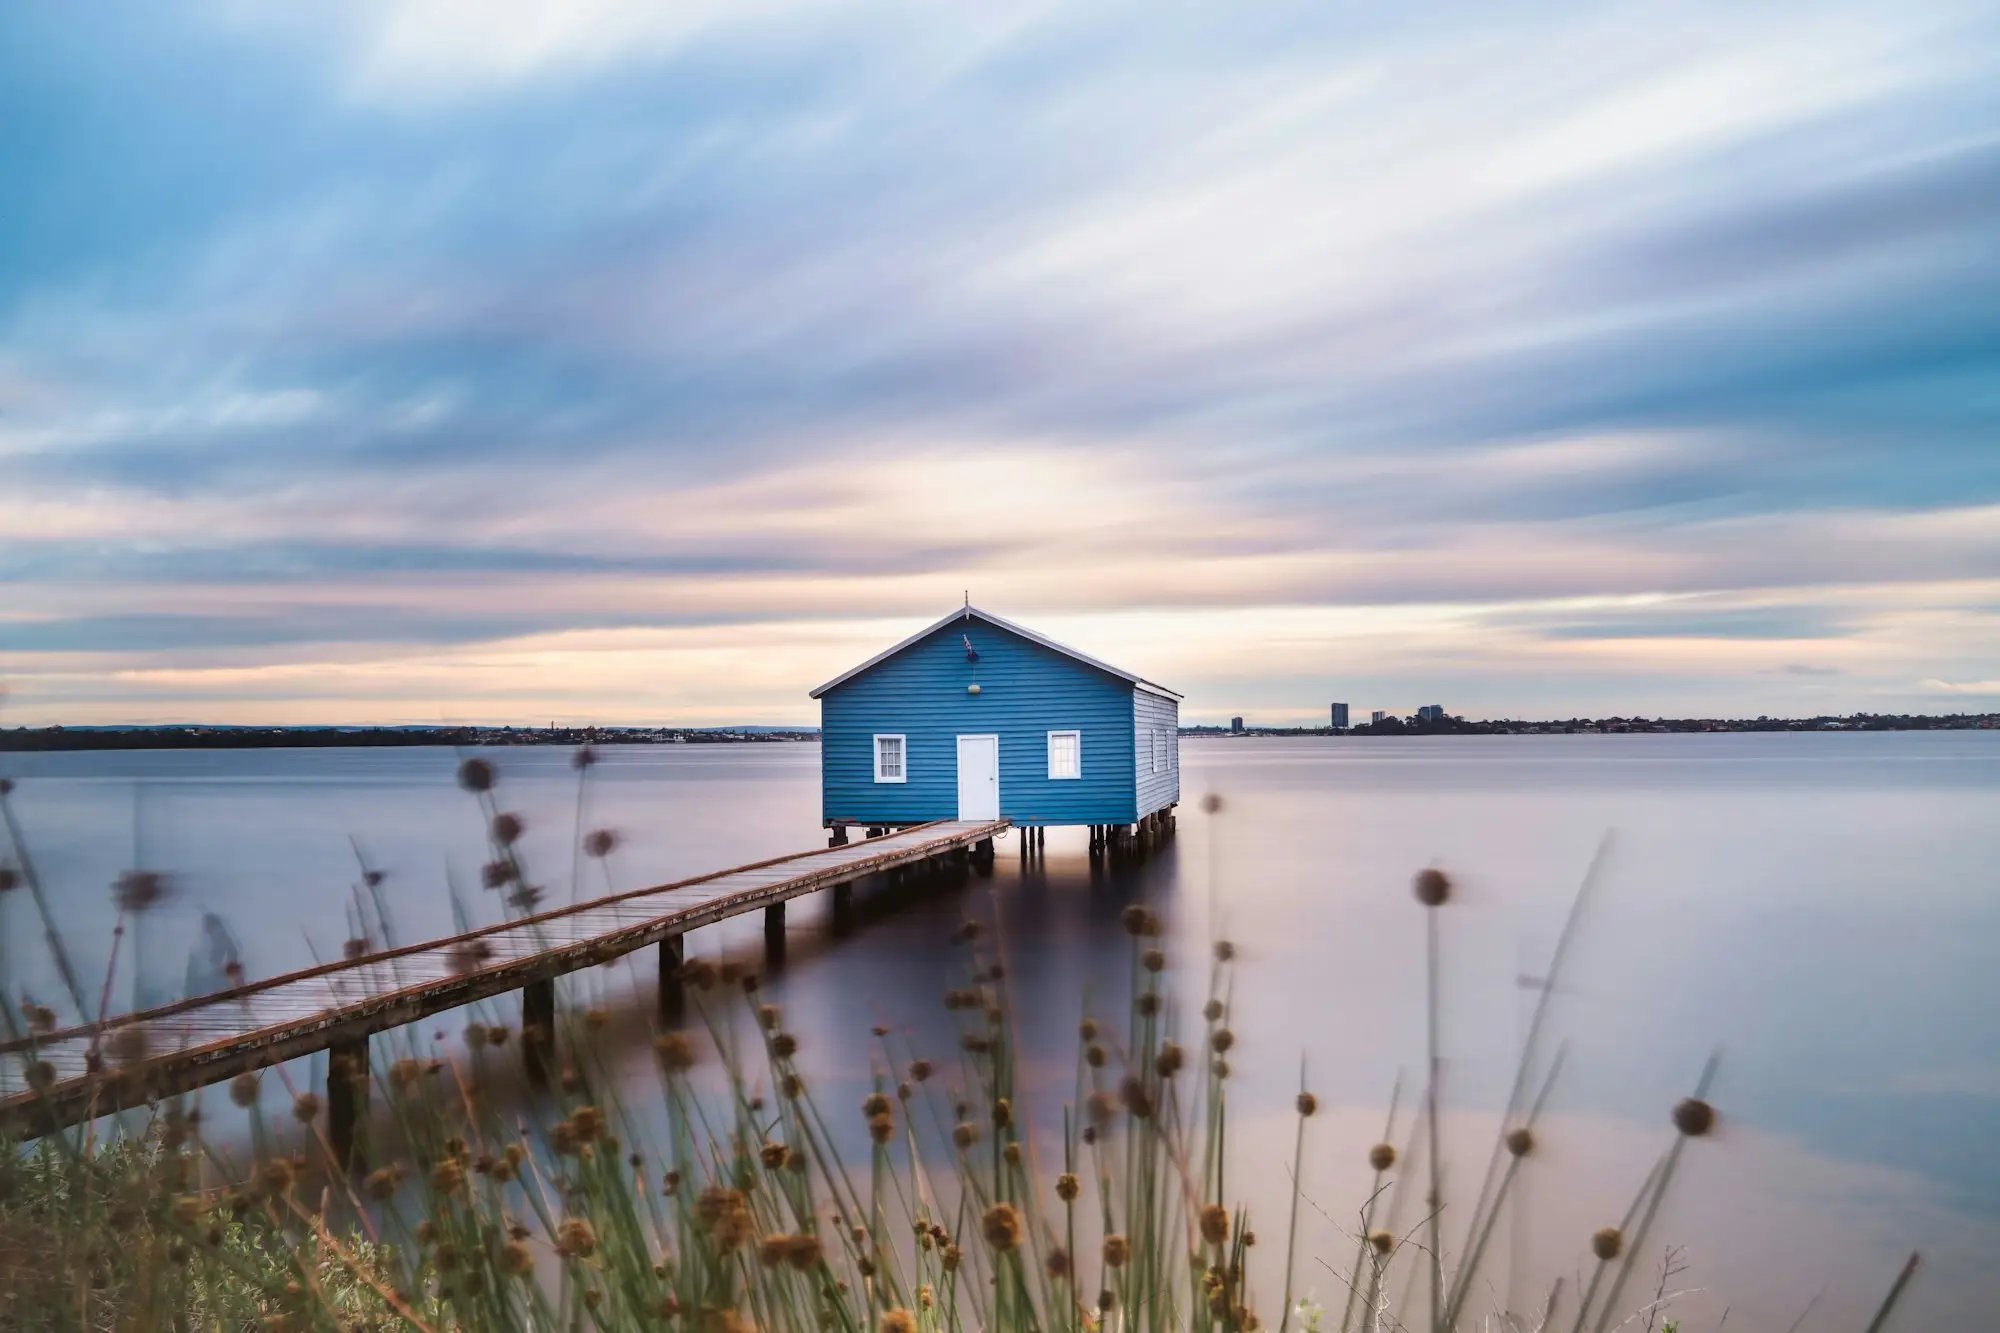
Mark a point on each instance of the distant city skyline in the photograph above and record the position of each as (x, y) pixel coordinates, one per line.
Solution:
(437, 363)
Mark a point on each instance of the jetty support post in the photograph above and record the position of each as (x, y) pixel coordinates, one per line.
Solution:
(346, 1096)
(843, 907)
(538, 1030)
(774, 934)
(673, 996)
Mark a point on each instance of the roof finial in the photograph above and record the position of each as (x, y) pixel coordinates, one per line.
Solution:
(968, 599)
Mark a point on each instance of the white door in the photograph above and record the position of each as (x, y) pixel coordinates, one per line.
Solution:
(979, 777)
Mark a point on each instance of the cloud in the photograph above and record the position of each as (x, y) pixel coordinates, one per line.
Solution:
(438, 324)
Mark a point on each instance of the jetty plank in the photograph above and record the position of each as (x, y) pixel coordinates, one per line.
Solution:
(62, 1077)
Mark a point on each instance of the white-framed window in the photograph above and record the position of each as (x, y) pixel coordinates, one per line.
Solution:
(892, 759)
(1159, 749)
(1065, 754)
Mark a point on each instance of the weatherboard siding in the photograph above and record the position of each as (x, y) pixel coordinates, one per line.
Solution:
(1153, 713)
(1026, 691)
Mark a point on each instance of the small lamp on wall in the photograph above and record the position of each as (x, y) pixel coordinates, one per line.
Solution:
(973, 688)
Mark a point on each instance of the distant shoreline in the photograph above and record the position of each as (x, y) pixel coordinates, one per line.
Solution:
(47, 739)
(1624, 726)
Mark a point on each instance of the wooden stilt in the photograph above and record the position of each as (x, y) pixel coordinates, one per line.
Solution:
(838, 837)
(346, 1097)
(673, 998)
(774, 935)
(538, 1031)
(843, 908)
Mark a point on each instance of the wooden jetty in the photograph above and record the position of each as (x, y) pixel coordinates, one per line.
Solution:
(62, 1077)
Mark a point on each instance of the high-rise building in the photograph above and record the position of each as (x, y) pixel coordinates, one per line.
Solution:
(1377, 715)
(1236, 726)
(1431, 713)
(1340, 717)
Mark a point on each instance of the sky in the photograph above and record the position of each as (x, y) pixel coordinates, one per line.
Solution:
(470, 361)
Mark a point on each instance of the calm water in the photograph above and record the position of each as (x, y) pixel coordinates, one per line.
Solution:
(1821, 908)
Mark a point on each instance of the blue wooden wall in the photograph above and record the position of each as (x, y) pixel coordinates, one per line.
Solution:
(1026, 691)
(1155, 715)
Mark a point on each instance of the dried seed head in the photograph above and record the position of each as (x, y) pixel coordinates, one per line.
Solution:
(803, 1253)
(1012, 1152)
(1003, 1113)
(8, 879)
(774, 1156)
(1221, 1039)
(1607, 1242)
(138, 890)
(1431, 886)
(1094, 1056)
(1068, 1187)
(1001, 1226)
(585, 757)
(919, 1070)
(964, 1134)
(1694, 1117)
(1170, 1061)
(1136, 1099)
(355, 947)
(881, 1129)
(949, 1259)
(243, 1090)
(784, 1045)
(600, 843)
(768, 1017)
(587, 1123)
(1520, 1141)
(497, 874)
(476, 775)
(874, 1104)
(793, 1087)
(1154, 960)
(507, 829)
(1224, 951)
(1099, 1106)
(1211, 804)
(1383, 1242)
(897, 1321)
(305, 1108)
(1117, 1250)
(516, 1259)
(1307, 1104)
(676, 1051)
(1148, 1004)
(496, 1036)
(1212, 1011)
(1133, 918)
(1215, 1224)
(383, 1182)
(277, 1176)
(1382, 1156)
(576, 1237)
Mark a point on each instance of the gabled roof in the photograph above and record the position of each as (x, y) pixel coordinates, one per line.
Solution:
(970, 612)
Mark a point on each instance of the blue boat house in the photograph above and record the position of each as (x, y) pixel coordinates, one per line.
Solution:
(978, 718)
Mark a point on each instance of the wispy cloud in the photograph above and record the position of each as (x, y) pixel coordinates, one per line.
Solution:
(411, 332)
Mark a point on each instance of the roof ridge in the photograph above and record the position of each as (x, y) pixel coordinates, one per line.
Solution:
(968, 612)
